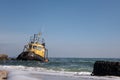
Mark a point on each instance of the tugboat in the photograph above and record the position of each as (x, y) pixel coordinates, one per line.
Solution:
(34, 50)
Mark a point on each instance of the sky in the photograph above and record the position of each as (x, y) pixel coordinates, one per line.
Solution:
(71, 28)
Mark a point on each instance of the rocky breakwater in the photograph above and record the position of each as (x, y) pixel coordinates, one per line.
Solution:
(3, 73)
(3, 57)
(106, 68)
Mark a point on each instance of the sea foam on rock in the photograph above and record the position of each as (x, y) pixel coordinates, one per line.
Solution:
(105, 68)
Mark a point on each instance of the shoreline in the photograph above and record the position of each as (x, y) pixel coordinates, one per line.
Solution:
(32, 75)
(56, 69)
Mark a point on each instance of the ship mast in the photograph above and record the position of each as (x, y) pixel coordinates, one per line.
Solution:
(35, 38)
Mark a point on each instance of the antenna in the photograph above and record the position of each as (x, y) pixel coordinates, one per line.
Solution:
(43, 42)
(38, 35)
(42, 29)
(31, 38)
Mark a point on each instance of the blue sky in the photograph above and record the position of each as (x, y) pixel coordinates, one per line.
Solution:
(71, 28)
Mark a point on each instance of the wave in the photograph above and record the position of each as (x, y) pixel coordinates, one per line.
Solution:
(55, 64)
(43, 70)
(24, 73)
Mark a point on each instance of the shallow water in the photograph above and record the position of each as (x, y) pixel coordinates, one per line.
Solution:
(55, 69)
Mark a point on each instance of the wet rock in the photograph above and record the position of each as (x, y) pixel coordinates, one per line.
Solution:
(3, 57)
(3, 74)
(105, 68)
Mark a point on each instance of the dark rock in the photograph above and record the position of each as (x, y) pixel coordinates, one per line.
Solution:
(103, 68)
(3, 57)
(12, 58)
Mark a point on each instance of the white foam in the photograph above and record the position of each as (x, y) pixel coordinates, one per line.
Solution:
(22, 68)
(20, 75)
(24, 73)
(43, 70)
(83, 74)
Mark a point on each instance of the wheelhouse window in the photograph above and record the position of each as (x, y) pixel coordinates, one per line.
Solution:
(39, 48)
(34, 47)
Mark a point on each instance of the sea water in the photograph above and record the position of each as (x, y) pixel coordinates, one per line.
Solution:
(64, 68)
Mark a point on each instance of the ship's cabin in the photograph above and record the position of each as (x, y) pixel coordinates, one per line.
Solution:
(33, 46)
